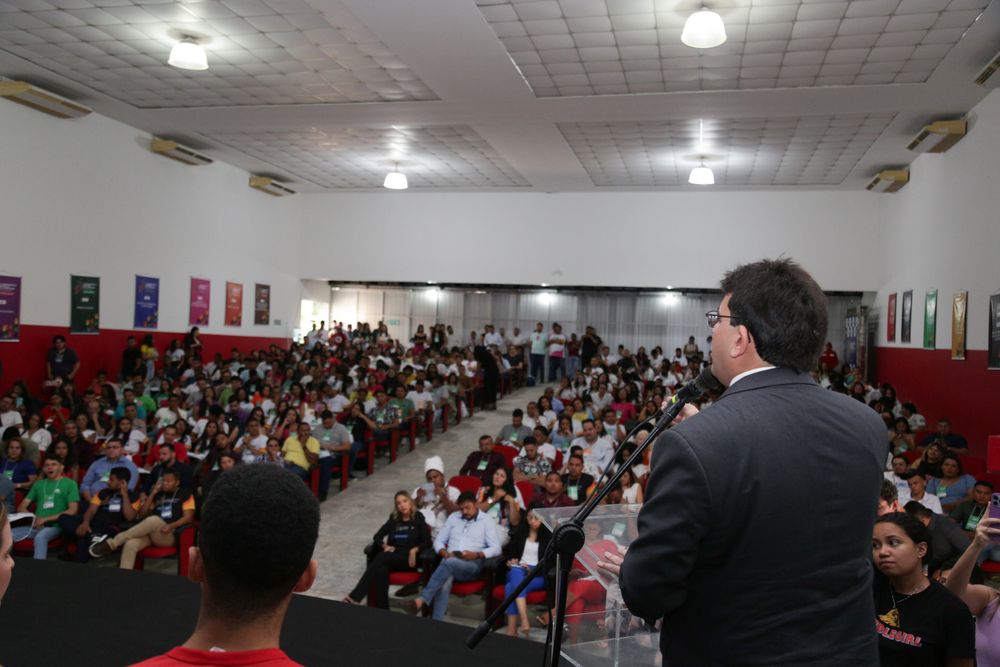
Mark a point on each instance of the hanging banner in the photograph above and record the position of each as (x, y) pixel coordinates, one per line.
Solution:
(930, 319)
(959, 306)
(904, 334)
(993, 356)
(234, 304)
(261, 304)
(84, 305)
(10, 309)
(147, 302)
(890, 334)
(201, 296)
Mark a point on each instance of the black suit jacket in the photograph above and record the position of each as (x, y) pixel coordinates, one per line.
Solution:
(755, 536)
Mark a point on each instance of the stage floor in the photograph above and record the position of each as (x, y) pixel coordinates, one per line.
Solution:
(58, 614)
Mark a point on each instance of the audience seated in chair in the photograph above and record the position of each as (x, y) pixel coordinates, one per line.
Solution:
(528, 543)
(531, 466)
(108, 511)
(53, 496)
(435, 499)
(484, 462)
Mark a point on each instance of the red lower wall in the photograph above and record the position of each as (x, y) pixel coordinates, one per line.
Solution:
(25, 360)
(963, 391)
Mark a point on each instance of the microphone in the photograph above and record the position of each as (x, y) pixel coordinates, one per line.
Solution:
(705, 382)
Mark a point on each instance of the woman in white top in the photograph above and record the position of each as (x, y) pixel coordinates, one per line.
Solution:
(527, 544)
(631, 489)
(36, 433)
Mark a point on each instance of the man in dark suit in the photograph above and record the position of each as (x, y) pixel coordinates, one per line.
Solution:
(754, 540)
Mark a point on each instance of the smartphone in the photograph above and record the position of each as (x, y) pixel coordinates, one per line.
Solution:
(995, 513)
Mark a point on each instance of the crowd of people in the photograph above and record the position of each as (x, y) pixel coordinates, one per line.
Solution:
(124, 462)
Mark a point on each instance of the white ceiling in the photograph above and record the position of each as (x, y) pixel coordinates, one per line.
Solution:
(546, 95)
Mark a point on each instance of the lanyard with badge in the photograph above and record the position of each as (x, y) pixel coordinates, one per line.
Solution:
(115, 503)
(49, 498)
(973, 520)
(167, 507)
(573, 491)
(9, 472)
(483, 463)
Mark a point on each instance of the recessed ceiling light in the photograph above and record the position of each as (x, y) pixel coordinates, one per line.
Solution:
(545, 284)
(188, 54)
(704, 30)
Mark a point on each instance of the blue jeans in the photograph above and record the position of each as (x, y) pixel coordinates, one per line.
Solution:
(42, 537)
(556, 364)
(514, 578)
(298, 470)
(572, 367)
(438, 589)
(538, 367)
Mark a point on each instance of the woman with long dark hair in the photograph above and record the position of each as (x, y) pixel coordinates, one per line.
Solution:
(917, 620)
(528, 542)
(502, 500)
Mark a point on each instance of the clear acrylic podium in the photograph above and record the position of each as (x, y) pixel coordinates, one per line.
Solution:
(605, 632)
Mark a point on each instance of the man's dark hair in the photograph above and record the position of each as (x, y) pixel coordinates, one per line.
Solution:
(173, 473)
(326, 415)
(577, 456)
(464, 497)
(530, 440)
(890, 493)
(987, 483)
(916, 509)
(253, 559)
(518, 412)
(782, 307)
(122, 473)
(167, 445)
(485, 437)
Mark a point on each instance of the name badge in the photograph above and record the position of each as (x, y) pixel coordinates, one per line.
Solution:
(166, 511)
(49, 504)
(9, 474)
(942, 491)
(972, 522)
(573, 492)
(482, 465)
(106, 476)
(115, 505)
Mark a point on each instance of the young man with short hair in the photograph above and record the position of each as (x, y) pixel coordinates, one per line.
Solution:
(248, 565)
(918, 488)
(516, 431)
(552, 493)
(108, 511)
(576, 482)
(531, 466)
(301, 451)
(484, 462)
(53, 496)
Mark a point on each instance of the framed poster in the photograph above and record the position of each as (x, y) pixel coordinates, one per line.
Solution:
(201, 293)
(234, 304)
(84, 304)
(147, 302)
(261, 304)
(10, 309)
(930, 319)
(890, 333)
(959, 306)
(993, 353)
(904, 333)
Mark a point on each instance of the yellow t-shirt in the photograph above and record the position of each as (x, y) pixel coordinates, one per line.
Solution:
(293, 452)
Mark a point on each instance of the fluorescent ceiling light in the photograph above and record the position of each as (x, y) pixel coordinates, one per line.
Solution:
(188, 54)
(704, 30)
(701, 175)
(395, 180)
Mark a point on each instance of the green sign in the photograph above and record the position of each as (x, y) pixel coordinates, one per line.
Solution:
(84, 304)
(392, 323)
(930, 319)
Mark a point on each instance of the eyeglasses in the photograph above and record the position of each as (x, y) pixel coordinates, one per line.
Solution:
(713, 317)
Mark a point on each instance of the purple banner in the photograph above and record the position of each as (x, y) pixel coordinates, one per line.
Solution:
(200, 299)
(10, 308)
(147, 302)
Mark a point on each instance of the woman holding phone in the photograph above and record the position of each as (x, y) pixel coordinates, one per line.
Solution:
(983, 601)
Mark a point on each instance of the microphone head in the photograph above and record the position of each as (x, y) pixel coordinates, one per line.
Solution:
(706, 382)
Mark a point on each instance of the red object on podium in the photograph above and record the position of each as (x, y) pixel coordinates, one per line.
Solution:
(993, 453)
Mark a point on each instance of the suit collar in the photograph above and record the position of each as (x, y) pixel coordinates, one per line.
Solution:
(769, 378)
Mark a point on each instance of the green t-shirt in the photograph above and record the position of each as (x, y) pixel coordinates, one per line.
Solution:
(404, 405)
(148, 403)
(53, 497)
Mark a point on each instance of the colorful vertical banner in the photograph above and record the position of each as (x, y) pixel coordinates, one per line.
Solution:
(907, 319)
(234, 304)
(261, 304)
(959, 309)
(890, 333)
(147, 302)
(10, 309)
(993, 352)
(84, 305)
(201, 297)
(930, 319)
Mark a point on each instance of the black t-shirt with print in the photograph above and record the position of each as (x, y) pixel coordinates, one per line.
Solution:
(927, 629)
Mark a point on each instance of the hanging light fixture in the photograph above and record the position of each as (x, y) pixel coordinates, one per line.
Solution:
(701, 175)
(704, 30)
(188, 54)
(395, 180)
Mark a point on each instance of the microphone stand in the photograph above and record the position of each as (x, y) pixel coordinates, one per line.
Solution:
(567, 540)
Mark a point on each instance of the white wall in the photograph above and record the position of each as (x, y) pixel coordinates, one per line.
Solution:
(942, 231)
(608, 239)
(87, 197)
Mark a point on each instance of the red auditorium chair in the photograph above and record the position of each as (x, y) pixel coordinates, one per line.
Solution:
(445, 416)
(408, 431)
(465, 483)
(527, 490)
(973, 465)
(186, 538)
(509, 454)
(911, 455)
(429, 425)
(398, 579)
(557, 464)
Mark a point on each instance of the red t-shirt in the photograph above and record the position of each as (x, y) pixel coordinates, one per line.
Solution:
(268, 657)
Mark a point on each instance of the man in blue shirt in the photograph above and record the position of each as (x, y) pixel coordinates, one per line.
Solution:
(98, 473)
(467, 539)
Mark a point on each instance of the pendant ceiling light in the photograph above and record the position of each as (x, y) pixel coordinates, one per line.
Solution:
(704, 30)
(188, 54)
(395, 180)
(701, 175)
